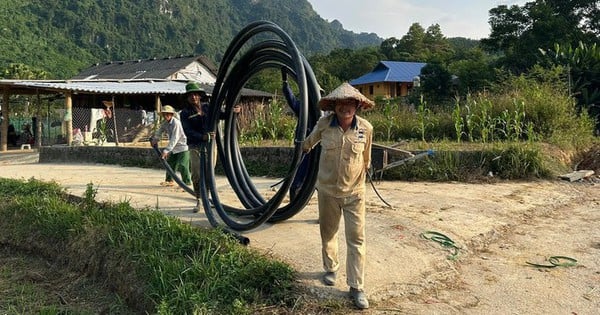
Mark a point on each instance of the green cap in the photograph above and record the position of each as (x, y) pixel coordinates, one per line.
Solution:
(193, 87)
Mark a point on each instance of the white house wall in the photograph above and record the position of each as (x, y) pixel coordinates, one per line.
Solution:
(195, 72)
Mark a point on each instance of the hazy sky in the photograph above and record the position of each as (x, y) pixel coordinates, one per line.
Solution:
(392, 18)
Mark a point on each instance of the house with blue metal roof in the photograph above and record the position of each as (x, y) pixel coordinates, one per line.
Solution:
(389, 79)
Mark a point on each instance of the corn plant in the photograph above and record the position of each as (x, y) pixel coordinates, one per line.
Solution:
(289, 133)
(458, 120)
(486, 123)
(275, 114)
(424, 118)
(388, 110)
(501, 123)
(515, 124)
(531, 134)
(470, 122)
(102, 132)
(253, 132)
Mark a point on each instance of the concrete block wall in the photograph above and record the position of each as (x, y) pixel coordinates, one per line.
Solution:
(146, 157)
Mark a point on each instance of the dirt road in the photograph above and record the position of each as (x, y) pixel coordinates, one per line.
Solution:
(498, 227)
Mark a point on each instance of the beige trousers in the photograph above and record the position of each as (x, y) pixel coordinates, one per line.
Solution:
(195, 165)
(330, 212)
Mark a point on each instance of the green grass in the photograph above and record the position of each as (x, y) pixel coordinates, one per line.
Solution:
(30, 285)
(156, 263)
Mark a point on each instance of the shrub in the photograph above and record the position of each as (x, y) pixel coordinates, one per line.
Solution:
(496, 161)
(520, 109)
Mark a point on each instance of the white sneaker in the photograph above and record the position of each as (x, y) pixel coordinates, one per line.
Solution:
(359, 298)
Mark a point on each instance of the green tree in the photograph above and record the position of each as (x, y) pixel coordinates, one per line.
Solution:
(412, 44)
(418, 45)
(63, 37)
(436, 45)
(518, 32)
(473, 70)
(346, 64)
(19, 71)
(389, 48)
(436, 82)
(583, 65)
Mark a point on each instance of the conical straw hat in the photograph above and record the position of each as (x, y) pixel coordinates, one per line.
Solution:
(344, 92)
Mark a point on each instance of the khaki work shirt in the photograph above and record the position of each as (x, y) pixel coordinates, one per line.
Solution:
(345, 156)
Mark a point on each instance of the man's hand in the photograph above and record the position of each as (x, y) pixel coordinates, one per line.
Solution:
(208, 136)
(164, 155)
(305, 150)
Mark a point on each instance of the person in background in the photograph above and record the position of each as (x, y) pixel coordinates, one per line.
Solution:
(195, 121)
(11, 135)
(108, 122)
(346, 141)
(294, 104)
(27, 135)
(143, 116)
(176, 152)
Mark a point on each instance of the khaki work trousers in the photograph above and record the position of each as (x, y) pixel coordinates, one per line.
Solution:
(195, 165)
(330, 212)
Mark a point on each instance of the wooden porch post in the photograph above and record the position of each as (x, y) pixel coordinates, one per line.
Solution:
(157, 105)
(69, 117)
(5, 109)
(38, 121)
(114, 116)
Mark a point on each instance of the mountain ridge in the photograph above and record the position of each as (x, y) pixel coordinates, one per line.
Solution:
(64, 37)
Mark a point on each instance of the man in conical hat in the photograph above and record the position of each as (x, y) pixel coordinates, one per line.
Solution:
(345, 158)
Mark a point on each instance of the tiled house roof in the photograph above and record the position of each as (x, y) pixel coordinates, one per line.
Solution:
(146, 76)
(391, 71)
(174, 68)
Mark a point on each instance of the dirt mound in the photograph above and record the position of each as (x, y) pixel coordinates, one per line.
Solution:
(589, 160)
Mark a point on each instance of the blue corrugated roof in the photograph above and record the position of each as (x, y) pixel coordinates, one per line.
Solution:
(391, 71)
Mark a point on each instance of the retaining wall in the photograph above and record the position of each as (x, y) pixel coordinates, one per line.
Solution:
(146, 157)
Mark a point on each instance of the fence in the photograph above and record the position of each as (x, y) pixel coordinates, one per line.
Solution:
(117, 125)
(127, 124)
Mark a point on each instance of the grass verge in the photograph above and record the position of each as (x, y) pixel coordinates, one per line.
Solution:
(154, 263)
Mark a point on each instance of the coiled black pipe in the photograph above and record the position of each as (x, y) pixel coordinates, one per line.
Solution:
(239, 237)
(279, 53)
(171, 172)
(255, 60)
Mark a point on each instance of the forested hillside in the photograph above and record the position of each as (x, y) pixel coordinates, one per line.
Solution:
(63, 37)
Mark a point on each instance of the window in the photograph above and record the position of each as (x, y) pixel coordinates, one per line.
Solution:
(370, 89)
